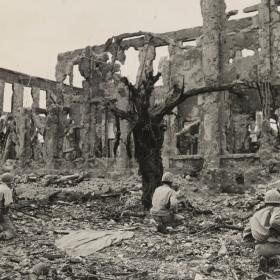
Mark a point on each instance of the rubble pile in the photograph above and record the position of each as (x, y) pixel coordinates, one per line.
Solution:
(209, 247)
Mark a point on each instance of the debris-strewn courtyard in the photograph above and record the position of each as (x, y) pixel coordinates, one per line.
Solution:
(93, 174)
(209, 246)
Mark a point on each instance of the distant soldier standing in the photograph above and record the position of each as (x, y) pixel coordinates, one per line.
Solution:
(253, 135)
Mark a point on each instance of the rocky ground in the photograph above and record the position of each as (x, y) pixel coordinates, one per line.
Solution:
(209, 246)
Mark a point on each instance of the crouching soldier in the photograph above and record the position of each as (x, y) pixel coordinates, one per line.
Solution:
(7, 230)
(264, 229)
(165, 205)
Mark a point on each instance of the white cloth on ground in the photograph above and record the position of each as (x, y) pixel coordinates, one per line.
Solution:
(86, 242)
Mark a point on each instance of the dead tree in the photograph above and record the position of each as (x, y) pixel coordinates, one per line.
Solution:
(147, 126)
(146, 121)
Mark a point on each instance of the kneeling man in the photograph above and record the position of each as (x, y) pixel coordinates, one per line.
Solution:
(165, 205)
(264, 228)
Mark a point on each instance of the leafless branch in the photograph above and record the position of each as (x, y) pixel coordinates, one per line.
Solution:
(123, 115)
(177, 97)
(128, 84)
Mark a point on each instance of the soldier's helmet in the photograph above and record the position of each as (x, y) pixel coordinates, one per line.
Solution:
(7, 177)
(272, 196)
(167, 177)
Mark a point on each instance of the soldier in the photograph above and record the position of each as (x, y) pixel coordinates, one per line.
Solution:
(264, 229)
(165, 205)
(7, 230)
(253, 135)
(11, 140)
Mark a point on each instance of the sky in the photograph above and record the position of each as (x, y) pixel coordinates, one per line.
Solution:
(33, 32)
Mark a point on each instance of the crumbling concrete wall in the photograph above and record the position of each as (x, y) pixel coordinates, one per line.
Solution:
(238, 65)
(232, 66)
(96, 120)
(246, 53)
(275, 39)
(187, 64)
(77, 120)
(24, 128)
(216, 59)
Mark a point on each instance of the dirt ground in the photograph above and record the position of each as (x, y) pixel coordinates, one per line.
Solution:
(208, 246)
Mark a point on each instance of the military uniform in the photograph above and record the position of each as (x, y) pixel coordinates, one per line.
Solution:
(264, 228)
(165, 204)
(7, 229)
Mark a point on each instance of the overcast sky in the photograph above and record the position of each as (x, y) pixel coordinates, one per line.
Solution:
(33, 32)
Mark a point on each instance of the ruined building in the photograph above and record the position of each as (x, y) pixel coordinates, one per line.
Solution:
(78, 130)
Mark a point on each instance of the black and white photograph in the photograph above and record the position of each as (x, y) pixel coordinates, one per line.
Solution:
(140, 140)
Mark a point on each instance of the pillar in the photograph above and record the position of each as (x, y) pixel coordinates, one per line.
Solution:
(170, 140)
(49, 101)
(35, 92)
(86, 113)
(17, 99)
(105, 132)
(54, 132)
(24, 136)
(214, 19)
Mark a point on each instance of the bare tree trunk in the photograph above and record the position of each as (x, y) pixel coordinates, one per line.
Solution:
(151, 171)
(148, 143)
(148, 129)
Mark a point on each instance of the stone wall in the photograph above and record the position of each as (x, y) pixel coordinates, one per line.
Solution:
(217, 58)
(242, 53)
(73, 127)
(21, 127)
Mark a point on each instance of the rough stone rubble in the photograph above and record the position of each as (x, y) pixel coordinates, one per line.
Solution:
(78, 130)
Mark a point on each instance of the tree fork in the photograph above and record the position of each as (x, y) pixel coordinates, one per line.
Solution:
(148, 129)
